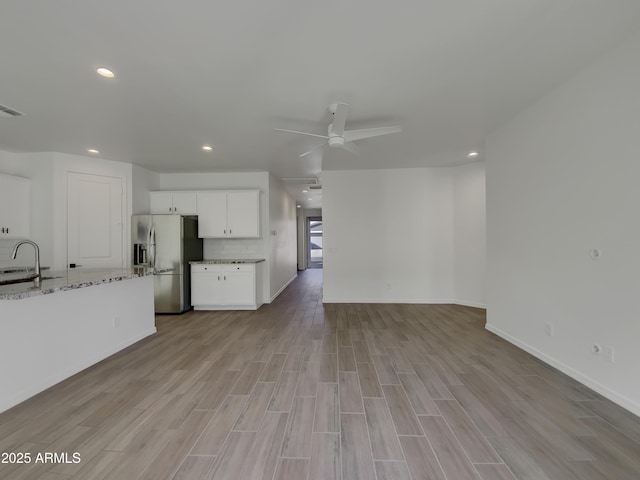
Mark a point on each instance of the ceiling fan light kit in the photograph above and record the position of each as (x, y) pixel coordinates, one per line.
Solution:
(337, 137)
(336, 141)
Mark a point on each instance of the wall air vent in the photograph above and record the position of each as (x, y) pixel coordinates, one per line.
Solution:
(6, 112)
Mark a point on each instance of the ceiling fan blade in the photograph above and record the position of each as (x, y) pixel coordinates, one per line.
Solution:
(300, 133)
(351, 148)
(339, 118)
(351, 135)
(314, 149)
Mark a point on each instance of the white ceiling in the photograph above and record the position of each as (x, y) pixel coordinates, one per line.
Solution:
(196, 72)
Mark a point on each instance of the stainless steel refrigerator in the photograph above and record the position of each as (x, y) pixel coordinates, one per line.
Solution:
(167, 242)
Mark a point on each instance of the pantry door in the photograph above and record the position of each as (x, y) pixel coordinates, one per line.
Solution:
(95, 221)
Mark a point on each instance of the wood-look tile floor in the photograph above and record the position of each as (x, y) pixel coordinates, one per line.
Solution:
(298, 390)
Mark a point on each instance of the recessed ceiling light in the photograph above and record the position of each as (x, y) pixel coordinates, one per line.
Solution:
(298, 206)
(207, 148)
(105, 72)
(472, 154)
(93, 150)
(305, 190)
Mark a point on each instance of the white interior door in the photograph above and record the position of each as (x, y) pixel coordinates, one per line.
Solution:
(95, 220)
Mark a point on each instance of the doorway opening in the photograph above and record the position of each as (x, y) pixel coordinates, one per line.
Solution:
(314, 242)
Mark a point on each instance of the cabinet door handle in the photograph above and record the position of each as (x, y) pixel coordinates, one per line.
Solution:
(224, 278)
(229, 231)
(218, 277)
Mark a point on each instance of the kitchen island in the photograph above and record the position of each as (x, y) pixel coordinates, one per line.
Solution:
(68, 323)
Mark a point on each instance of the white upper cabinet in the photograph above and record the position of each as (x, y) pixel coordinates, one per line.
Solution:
(185, 203)
(179, 203)
(212, 214)
(14, 207)
(229, 214)
(161, 202)
(243, 214)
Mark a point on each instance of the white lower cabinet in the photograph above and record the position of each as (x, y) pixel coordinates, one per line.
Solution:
(224, 287)
(206, 288)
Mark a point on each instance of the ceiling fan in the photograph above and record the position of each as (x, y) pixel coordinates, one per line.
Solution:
(337, 137)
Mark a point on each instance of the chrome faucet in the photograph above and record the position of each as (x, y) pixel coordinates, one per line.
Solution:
(38, 276)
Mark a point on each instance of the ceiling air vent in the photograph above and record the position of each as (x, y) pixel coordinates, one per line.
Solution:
(6, 112)
(315, 187)
(299, 180)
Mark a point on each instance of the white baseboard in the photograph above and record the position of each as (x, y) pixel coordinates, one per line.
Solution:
(326, 299)
(69, 371)
(426, 301)
(201, 308)
(466, 303)
(275, 295)
(615, 397)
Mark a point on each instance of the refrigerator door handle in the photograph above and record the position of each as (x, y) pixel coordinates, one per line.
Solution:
(152, 246)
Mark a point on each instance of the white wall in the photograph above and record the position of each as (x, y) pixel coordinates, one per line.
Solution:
(282, 226)
(469, 224)
(388, 235)
(562, 179)
(143, 181)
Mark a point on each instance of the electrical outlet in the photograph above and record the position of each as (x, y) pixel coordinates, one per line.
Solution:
(548, 329)
(608, 354)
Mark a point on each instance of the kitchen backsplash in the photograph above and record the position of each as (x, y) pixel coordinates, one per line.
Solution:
(233, 248)
(213, 248)
(25, 254)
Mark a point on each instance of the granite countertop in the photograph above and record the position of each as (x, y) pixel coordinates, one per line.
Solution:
(210, 261)
(62, 280)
